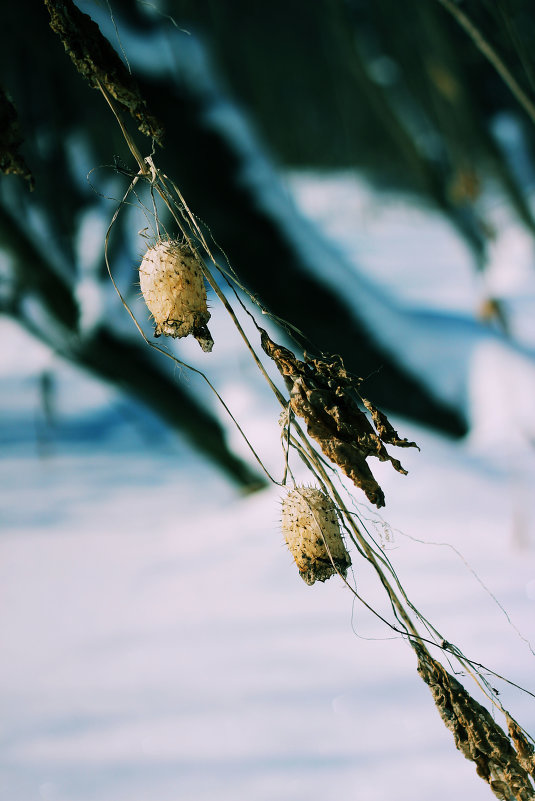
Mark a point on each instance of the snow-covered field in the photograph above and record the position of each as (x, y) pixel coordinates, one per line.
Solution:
(157, 642)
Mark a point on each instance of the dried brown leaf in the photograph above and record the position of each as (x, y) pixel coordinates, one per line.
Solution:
(11, 162)
(476, 734)
(95, 59)
(325, 396)
(525, 749)
(385, 429)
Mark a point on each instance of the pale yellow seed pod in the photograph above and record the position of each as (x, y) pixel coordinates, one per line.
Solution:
(312, 533)
(172, 284)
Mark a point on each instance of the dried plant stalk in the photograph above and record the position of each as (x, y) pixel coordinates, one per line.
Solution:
(476, 734)
(95, 59)
(324, 395)
(312, 533)
(172, 284)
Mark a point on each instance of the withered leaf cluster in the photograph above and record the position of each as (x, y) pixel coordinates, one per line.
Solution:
(478, 736)
(326, 397)
(95, 59)
(11, 162)
(525, 749)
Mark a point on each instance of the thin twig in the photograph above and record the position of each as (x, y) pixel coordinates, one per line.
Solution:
(490, 53)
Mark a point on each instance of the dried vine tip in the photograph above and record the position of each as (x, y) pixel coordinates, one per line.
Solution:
(95, 59)
(172, 284)
(312, 533)
(507, 764)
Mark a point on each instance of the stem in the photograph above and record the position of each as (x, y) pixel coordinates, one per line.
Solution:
(488, 51)
(129, 141)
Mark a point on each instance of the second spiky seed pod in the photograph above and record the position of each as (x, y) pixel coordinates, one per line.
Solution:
(172, 285)
(312, 533)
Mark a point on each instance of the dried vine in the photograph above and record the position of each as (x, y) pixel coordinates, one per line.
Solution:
(322, 394)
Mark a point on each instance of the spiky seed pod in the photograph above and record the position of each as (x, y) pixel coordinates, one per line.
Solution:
(172, 284)
(312, 533)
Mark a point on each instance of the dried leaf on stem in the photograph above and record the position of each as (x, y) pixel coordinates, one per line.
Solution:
(325, 396)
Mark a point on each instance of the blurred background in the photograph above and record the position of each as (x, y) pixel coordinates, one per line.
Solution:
(369, 176)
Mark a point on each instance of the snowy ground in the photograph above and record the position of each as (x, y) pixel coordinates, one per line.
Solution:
(157, 642)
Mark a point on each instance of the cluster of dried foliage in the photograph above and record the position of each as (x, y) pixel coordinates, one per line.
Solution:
(327, 398)
(324, 395)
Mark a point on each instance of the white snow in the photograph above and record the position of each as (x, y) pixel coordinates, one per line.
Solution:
(157, 642)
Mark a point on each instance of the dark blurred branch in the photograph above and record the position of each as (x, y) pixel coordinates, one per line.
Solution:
(11, 162)
(427, 174)
(126, 365)
(34, 274)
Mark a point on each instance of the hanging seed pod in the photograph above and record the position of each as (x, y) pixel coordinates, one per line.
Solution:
(172, 284)
(312, 533)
